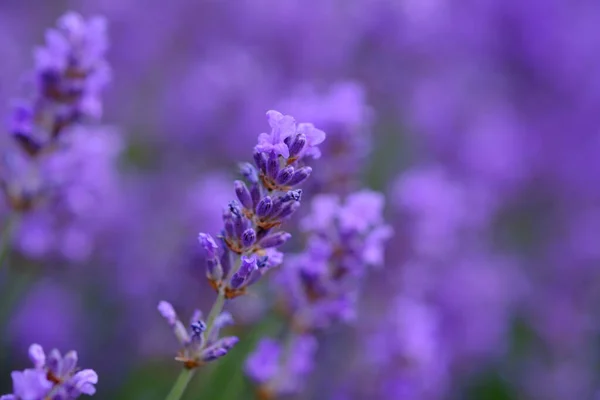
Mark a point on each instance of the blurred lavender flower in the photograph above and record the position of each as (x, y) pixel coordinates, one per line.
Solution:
(70, 74)
(321, 285)
(62, 174)
(53, 376)
(199, 345)
(281, 369)
(80, 192)
(264, 201)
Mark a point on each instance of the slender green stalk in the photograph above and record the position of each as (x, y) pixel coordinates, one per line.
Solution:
(181, 383)
(216, 309)
(186, 375)
(6, 237)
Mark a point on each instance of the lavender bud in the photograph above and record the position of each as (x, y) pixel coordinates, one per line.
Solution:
(288, 209)
(53, 362)
(259, 160)
(297, 145)
(212, 354)
(167, 311)
(197, 328)
(219, 349)
(208, 244)
(278, 205)
(228, 224)
(255, 194)
(243, 194)
(248, 265)
(285, 175)
(248, 237)
(300, 176)
(273, 165)
(295, 195)
(225, 259)
(249, 172)
(275, 240)
(264, 207)
(226, 343)
(37, 355)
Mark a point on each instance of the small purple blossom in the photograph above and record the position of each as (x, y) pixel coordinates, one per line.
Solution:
(197, 345)
(282, 127)
(53, 375)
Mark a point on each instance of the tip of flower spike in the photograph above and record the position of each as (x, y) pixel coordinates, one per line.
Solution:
(208, 243)
(167, 311)
(37, 355)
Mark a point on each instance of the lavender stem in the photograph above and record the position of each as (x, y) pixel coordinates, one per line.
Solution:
(186, 374)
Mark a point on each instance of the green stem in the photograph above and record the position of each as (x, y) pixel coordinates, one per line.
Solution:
(186, 375)
(216, 309)
(5, 239)
(181, 384)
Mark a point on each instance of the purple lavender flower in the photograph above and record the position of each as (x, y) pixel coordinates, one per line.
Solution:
(198, 345)
(62, 174)
(266, 198)
(71, 73)
(321, 285)
(53, 376)
(281, 369)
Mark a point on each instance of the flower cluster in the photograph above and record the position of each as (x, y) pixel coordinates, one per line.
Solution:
(70, 75)
(320, 286)
(199, 344)
(54, 376)
(59, 167)
(268, 197)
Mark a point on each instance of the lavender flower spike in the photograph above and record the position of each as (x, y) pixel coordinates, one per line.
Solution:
(198, 348)
(71, 72)
(53, 376)
(267, 198)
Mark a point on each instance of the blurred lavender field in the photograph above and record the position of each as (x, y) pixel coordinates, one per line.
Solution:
(455, 205)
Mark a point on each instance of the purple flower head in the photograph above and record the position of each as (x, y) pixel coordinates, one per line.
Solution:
(264, 202)
(71, 73)
(321, 285)
(54, 375)
(198, 344)
(282, 370)
(282, 127)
